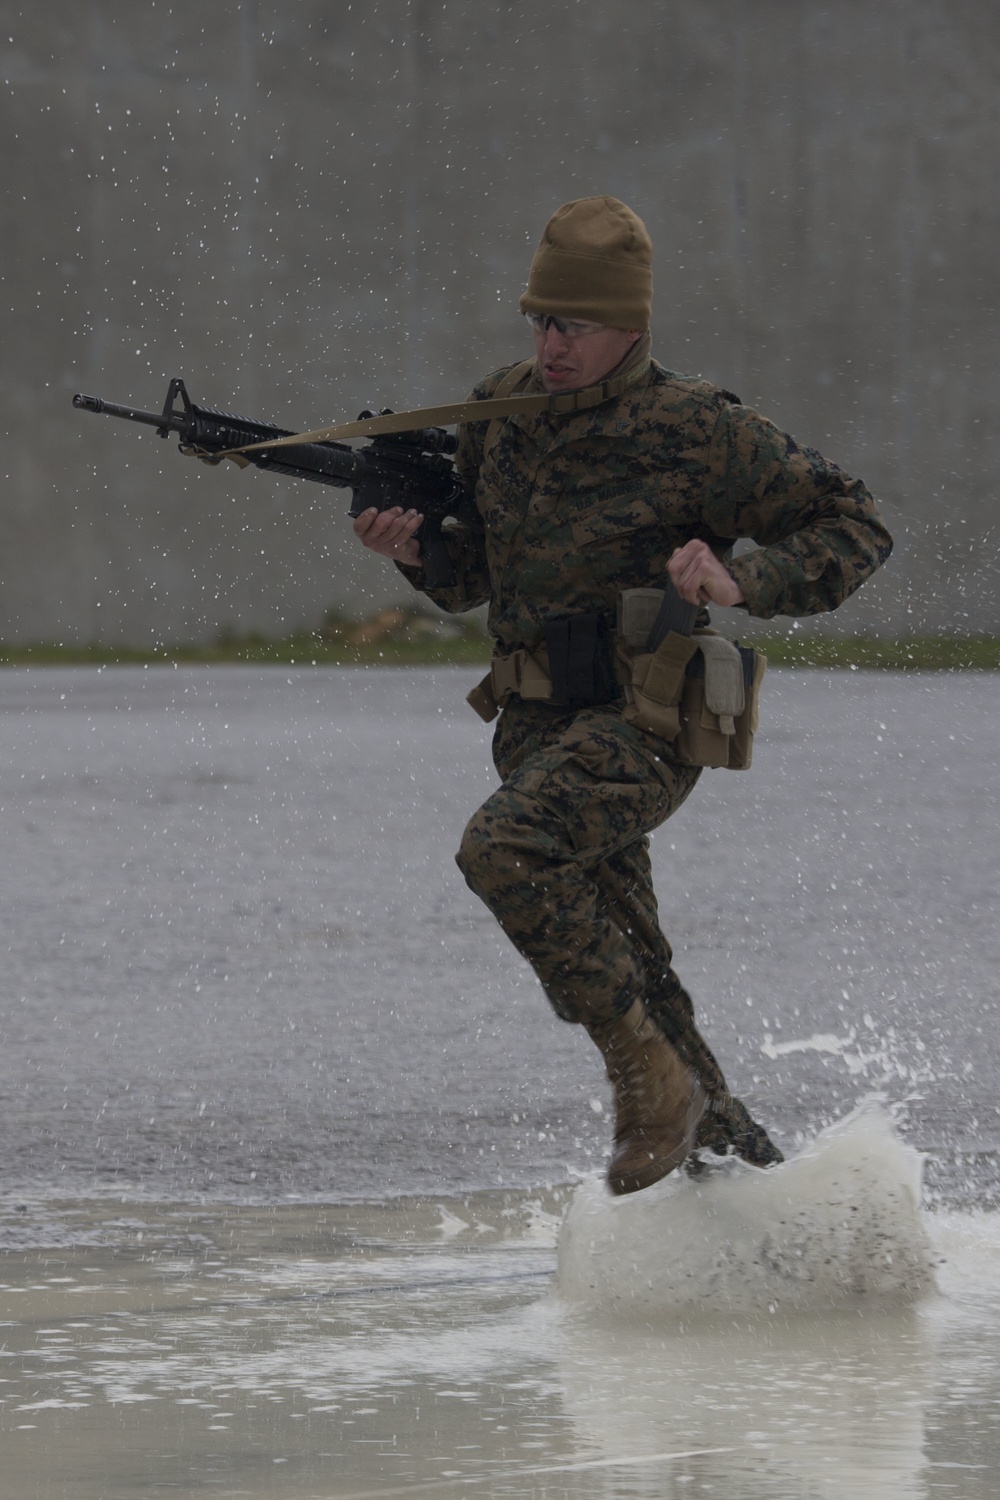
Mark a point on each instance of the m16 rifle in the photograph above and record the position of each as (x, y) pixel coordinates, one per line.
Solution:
(408, 469)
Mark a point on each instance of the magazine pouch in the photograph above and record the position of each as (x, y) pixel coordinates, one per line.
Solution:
(654, 683)
(698, 692)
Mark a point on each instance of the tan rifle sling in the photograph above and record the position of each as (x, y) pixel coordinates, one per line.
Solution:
(508, 384)
(493, 408)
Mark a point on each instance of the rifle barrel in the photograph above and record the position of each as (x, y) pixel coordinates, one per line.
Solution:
(131, 413)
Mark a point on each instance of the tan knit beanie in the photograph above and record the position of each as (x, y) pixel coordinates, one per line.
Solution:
(594, 263)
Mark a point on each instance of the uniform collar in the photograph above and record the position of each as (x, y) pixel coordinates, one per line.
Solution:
(598, 410)
(633, 370)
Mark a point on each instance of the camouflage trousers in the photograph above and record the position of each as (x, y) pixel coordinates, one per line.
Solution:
(560, 855)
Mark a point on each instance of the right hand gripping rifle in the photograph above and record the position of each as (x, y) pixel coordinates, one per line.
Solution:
(408, 469)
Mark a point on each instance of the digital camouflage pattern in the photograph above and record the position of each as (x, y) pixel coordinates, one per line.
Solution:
(576, 508)
(560, 855)
(572, 509)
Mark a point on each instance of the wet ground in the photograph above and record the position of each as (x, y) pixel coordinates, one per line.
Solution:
(288, 1132)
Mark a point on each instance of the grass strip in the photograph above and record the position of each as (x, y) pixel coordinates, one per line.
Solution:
(346, 643)
(938, 653)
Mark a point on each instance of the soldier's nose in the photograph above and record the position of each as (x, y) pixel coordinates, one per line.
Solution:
(555, 342)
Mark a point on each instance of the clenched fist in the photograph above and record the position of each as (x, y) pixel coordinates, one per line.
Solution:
(700, 578)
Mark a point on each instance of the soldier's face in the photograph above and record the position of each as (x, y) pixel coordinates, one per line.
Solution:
(570, 364)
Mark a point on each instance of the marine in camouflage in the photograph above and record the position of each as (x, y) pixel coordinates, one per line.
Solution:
(572, 509)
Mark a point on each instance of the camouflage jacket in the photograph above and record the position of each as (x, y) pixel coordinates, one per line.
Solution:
(574, 508)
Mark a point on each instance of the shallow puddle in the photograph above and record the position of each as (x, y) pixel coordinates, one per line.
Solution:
(424, 1348)
(246, 988)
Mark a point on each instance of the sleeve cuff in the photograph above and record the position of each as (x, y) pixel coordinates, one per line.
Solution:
(761, 581)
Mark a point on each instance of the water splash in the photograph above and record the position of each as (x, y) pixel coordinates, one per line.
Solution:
(838, 1223)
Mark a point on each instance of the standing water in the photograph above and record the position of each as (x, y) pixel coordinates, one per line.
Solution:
(301, 1182)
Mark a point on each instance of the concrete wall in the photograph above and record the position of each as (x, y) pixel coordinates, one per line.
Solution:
(311, 206)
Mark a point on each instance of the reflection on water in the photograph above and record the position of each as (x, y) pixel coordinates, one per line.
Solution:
(423, 1348)
(829, 1406)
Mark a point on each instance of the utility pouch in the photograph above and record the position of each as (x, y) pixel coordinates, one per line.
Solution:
(525, 673)
(581, 660)
(718, 709)
(654, 683)
(698, 692)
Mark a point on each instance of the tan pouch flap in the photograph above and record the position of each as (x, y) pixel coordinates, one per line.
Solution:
(660, 676)
(653, 681)
(637, 612)
(482, 699)
(725, 694)
(535, 680)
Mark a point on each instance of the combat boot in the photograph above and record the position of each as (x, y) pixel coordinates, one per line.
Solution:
(728, 1129)
(658, 1100)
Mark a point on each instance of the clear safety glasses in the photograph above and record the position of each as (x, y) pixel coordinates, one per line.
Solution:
(570, 328)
